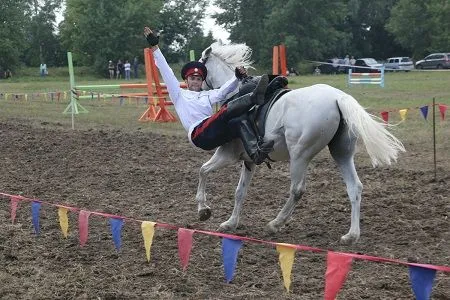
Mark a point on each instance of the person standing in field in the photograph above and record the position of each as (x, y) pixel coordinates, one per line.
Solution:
(111, 69)
(127, 67)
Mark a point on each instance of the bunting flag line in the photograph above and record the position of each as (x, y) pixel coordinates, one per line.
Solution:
(35, 208)
(63, 220)
(14, 203)
(230, 251)
(385, 116)
(442, 110)
(83, 220)
(286, 258)
(421, 282)
(116, 231)
(424, 111)
(338, 266)
(403, 113)
(148, 230)
(184, 246)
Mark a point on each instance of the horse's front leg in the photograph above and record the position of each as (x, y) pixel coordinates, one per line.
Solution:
(247, 172)
(222, 157)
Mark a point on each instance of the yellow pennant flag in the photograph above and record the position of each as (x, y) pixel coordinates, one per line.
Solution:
(286, 257)
(63, 220)
(148, 230)
(403, 113)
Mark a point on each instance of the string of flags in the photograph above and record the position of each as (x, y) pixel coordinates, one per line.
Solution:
(423, 111)
(338, 263)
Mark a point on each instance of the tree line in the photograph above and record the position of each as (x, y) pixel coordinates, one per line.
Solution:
(97, 31)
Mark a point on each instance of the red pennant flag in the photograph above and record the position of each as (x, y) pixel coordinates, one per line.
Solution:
(184, 246)
(83, 220)
(14, 203)
(338, 265)
(385, 116)
(442, 109)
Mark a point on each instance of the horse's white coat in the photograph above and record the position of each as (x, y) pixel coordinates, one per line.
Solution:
(302, 122)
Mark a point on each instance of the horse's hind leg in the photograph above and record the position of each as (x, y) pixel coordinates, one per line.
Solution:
(223, 156)
(342, 149)
(247, 172)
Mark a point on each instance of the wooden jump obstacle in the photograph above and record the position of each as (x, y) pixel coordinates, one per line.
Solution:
(366, 78)
(156, 92)
(279, 66)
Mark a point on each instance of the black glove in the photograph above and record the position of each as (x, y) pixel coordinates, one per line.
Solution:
(238, 74)
(152, 39)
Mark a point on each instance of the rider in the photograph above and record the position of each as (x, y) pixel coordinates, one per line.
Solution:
(194, 106)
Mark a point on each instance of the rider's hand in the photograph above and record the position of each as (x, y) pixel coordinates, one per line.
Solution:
(240, 73)
(152, 38)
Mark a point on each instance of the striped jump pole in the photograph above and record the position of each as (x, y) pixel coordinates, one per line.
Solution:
(366, 78)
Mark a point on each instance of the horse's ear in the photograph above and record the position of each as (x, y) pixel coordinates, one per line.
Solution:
(207, 51)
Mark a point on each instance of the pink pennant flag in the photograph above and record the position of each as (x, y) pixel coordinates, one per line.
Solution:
(14, 203)
(442, 109)
(83, 220)
(385, 116)
(184, 246)
(338, 265)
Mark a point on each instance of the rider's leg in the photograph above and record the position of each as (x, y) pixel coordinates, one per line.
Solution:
(256, 148)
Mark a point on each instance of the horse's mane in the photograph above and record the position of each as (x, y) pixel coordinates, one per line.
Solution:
(234, 55)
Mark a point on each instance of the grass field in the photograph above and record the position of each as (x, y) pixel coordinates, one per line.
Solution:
(402, 91)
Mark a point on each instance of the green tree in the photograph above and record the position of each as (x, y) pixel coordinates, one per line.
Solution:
(423, 26)
(12, 33)
(100, 30)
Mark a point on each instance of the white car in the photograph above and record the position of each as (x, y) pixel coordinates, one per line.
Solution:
(399, 64)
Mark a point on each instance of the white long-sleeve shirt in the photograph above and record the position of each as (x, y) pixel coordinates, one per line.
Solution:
(192, 107)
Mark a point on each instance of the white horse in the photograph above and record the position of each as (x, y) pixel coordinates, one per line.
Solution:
(302, 122)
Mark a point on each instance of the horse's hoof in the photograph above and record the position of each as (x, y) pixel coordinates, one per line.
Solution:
(349, 239)
(226, 227)
(204, 214)
(272, 227)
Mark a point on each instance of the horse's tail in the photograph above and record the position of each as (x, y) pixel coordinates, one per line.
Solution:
(381, 145)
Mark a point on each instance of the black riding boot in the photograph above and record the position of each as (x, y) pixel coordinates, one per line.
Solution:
(242, 104)
(258, 150)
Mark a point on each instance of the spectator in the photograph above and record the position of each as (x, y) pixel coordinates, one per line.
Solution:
(119, 69)
(335, 64)
(135, 67)
(352, 60)
(346, 60)
(43, 70)
(127, 67)
(292, 71)
(8, 74)
(111, 69)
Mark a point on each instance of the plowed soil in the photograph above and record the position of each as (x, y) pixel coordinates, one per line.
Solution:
(148, 176)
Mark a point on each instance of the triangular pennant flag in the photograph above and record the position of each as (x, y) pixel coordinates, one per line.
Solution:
(338, 265)
(35, 208)
(148, 230)
(424, 111)
(403, 113)
(442, 109)
(116, 230)
(184, 246)
(63, 220)
(421, 281)
(83, 220)
(14, 203)
(286, 258)
(230, 250)
(385, 116)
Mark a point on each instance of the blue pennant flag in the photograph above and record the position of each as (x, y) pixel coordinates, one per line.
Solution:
(116, 230)
(230, 249)
(424, 111)
(422, 281)
(35, 208)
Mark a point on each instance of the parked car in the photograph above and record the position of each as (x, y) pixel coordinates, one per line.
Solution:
(367, 65)
(328, 68)
(399, 63)
(434, 61)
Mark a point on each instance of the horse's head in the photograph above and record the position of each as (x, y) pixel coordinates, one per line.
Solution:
(221, 60)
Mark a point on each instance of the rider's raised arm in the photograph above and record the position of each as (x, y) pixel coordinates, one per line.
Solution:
(171, 81)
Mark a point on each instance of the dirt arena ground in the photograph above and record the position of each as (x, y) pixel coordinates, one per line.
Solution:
(147, 176)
